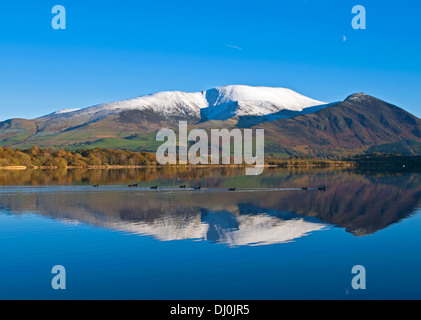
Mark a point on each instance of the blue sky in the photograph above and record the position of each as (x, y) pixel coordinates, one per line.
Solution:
(115, 50)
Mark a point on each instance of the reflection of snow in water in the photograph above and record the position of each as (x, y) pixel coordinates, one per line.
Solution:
(258, 229)
(261, 230)
(223, 227)
(165, 229)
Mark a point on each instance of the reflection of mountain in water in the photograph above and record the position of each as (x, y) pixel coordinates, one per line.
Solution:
(223, 227)
(258, 229)
(360, 204)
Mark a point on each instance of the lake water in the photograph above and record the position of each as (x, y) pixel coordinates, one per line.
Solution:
(268, 239)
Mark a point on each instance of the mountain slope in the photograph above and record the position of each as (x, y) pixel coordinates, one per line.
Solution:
(356, 123)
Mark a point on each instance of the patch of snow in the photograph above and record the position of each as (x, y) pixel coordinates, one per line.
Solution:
(66, 111)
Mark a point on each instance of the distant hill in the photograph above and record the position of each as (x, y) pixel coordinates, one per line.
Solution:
(360, 123)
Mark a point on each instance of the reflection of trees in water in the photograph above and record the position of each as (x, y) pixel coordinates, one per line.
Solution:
(205, 176)
(110, 176)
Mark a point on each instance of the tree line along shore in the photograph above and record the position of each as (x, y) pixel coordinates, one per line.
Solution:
(102, 158)
(51, 158)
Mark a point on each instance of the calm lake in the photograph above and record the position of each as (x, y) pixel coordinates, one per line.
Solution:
(268, 239)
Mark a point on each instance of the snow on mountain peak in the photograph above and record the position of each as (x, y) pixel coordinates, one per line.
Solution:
(240, 100)
(220, 103)
(281, 97)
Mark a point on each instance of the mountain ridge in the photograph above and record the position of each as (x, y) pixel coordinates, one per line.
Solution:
(214, 104)
(358, 122)
(294, 124)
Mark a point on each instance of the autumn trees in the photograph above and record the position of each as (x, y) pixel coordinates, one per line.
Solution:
(38, 157)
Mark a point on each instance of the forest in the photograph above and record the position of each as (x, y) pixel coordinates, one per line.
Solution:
(40, 157)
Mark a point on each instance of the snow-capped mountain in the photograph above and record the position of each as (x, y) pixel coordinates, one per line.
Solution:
(293, 123)
(215, 104)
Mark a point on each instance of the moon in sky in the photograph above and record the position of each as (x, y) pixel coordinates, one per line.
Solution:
(344, 38)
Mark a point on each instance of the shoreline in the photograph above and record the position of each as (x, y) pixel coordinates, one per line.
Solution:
(106, 167)
(14, 168)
